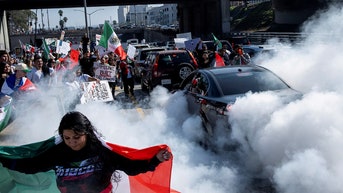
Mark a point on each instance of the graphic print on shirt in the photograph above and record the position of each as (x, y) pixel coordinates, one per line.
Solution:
(83, 167)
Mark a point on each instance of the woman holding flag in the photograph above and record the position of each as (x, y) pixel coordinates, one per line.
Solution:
(83, 162)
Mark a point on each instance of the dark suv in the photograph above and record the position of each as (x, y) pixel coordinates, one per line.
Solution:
(167, 68)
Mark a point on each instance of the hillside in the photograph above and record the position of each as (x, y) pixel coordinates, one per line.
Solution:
(258, 17)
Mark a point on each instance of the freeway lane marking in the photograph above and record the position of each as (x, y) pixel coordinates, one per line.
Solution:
(140, 112)
(138, 109)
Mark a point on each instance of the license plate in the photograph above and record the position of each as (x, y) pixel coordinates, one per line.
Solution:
(165, 81)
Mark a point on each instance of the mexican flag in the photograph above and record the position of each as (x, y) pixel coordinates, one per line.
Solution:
(111, 42)
(217, 42)
(46, 49)
(219, 61)
(157, 181)
(27, 47)
(24, 84)
(74, 58)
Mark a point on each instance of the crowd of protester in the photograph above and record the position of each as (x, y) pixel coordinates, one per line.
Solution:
(65, 71)
(207, 57)
(56, 71)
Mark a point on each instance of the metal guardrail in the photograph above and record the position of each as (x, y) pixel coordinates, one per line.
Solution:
(262, 37)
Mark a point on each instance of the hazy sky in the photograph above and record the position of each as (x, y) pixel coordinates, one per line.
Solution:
(77, 18)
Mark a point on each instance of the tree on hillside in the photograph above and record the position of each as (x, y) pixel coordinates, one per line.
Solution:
(246, 3)
(21, 20)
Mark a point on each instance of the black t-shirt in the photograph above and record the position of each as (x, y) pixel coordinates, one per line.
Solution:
(88, 170)
(87, 66)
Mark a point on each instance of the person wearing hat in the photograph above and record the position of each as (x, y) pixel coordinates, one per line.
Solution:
(17, 83)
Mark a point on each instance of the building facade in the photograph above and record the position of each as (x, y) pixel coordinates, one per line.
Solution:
(137, 15)
(145, 15)
(122, 14)
(163, 15)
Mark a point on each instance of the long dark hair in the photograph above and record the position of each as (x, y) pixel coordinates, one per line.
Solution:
(80, 124)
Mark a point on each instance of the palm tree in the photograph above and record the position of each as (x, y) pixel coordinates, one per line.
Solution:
(60, 12)
(61, 24)
(65, 19)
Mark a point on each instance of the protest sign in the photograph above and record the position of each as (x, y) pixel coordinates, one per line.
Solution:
(96, 92)
(104, 72)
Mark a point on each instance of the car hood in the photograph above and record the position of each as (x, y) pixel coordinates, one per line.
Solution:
(286, 95)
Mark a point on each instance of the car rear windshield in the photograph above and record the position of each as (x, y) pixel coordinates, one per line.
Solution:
(256, 81)
(144, 53)
(175, 58)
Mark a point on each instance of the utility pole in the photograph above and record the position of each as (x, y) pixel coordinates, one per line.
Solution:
(47, 14)
(36, 28)
(90, 21)
(85, 10)
(135, 16)
(42, 15)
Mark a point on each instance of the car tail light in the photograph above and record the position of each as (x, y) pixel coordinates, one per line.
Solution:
(155, 71)
(203, 101)
(224, 111)
(194, 61)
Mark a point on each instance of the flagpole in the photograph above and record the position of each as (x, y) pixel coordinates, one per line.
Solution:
(85, 8)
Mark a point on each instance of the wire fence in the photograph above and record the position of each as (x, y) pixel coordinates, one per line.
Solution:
(253, 2)
(260, 38)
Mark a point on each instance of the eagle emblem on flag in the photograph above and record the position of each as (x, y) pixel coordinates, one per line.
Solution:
(114, 40)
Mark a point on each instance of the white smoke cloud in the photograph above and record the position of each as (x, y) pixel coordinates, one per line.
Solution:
(297, 145)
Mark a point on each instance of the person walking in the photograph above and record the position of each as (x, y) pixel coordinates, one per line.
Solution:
(127, 78)
(112, 62)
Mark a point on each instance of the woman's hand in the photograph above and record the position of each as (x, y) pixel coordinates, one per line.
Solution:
(163, 155)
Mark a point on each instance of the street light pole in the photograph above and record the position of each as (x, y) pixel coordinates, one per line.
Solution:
(90, 21)
(85, 10)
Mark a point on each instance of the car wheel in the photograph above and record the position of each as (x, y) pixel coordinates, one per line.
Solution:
(183, 71)
(150, 87)
(143, 86)
(207, 126)
(206, 142)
